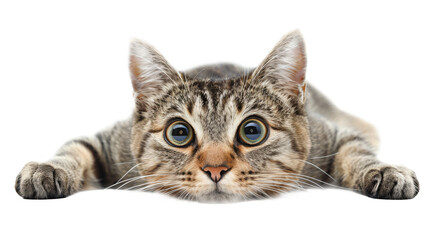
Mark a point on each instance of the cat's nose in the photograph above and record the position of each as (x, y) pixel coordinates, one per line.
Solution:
(216, 173)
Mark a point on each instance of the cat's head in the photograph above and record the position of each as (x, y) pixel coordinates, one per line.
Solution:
(210, 136)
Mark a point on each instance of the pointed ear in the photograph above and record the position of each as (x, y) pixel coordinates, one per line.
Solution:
(284, 67)
(150, 72)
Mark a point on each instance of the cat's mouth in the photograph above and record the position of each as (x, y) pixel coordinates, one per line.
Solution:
(218, 195)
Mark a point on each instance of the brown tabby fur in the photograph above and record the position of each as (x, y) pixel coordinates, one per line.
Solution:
(310, 143)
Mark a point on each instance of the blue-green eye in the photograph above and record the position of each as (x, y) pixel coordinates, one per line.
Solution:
(179, 134)
(252, 132)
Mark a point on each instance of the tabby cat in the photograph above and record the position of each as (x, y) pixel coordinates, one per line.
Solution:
(222, 133)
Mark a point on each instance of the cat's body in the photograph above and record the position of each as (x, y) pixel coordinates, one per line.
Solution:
(301, 138)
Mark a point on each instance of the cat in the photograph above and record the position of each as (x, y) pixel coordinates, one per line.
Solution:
(223, 133)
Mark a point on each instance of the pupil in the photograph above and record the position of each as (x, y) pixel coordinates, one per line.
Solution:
(252, 131)
(179, 132)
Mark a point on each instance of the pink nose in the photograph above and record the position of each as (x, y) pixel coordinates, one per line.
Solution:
(216, 173)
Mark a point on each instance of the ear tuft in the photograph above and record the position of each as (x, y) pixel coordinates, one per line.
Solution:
(285, 66)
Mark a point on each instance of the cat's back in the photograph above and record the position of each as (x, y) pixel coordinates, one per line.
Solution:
(215, 72)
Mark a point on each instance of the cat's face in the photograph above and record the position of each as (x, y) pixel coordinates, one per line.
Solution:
(221, 139)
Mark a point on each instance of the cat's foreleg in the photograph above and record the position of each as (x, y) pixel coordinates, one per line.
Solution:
(356, 166)
(78, 164)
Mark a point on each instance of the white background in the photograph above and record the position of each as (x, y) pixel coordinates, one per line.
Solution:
(63, 74)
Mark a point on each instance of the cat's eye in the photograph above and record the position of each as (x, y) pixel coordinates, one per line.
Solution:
(252, 131)
(179, 134)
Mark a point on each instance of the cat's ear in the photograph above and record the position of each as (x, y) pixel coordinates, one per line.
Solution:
(150, 72)
(284, 68)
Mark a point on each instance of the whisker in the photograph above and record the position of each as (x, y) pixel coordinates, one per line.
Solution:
(307, 183)
(120, 163)
(256, 195)
(150, 186)
(307, 178)
(187, 195)
(318, 168)
(147, 184)
(127, 173)
(128, 180)
(137, 186)
(261, 190)
(181, 194)
(293, 177)
(140, 185)
(279, 183)
(330, 155)
(135, 179)
(172, 186)
(299, 179)
(279, 191)
(270, 187)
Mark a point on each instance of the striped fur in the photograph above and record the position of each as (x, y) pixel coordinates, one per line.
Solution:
(310, 142)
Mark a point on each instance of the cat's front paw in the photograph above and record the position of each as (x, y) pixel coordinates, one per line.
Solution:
(42, 181)
(389, 182)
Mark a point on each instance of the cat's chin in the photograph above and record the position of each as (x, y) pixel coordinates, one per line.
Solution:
(217, 197)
